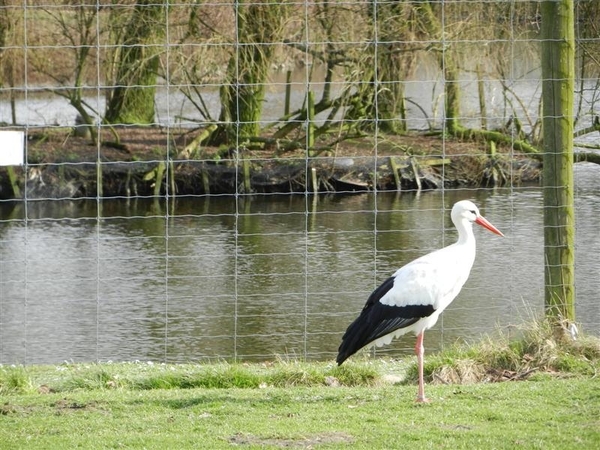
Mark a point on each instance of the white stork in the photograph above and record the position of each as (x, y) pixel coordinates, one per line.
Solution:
(413, 298)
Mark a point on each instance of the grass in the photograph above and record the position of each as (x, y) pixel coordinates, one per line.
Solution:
(292, 404)
(16, 380)
(552, 413)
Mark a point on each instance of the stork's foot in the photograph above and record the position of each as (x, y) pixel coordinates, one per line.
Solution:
(422, 399)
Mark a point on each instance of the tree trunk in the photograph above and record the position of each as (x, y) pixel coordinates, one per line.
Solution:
(132, 99)
(243, 94)
(8, 25)
(452, 95)
(558, 73)
(379, 100)
(434, 27)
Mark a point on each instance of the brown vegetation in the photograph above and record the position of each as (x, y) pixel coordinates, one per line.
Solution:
(539, 349)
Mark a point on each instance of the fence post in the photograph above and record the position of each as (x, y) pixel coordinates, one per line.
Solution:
(558, 74)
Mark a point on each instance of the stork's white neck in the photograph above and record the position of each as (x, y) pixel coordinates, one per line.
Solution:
(465, 232)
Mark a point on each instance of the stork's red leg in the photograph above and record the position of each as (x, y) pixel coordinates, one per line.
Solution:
(419, 351)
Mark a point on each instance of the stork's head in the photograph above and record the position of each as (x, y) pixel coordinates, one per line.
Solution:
(466, 210)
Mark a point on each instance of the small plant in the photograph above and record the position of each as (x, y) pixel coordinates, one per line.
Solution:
(356, 374)
(14, 379)
(97, 377)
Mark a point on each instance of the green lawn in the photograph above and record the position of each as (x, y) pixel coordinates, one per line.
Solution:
(167, 407)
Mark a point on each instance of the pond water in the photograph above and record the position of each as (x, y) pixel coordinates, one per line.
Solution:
(249, 278)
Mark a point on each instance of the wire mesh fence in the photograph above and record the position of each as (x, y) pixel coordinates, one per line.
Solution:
(207, 180)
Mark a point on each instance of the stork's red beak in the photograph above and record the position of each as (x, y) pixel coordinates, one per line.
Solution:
(485, 224)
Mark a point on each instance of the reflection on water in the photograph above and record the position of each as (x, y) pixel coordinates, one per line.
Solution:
(199, 278)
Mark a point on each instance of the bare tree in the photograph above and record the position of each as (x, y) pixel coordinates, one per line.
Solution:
(9, 57)
(258, 27)
(76, 42)
(389, 62)
(134, 66)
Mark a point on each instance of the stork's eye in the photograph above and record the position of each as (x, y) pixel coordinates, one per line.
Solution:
(473, 212)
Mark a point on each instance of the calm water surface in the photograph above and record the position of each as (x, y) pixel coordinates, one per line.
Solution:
(208, 278)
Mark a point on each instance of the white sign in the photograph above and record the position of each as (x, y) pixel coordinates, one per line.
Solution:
(12, 148)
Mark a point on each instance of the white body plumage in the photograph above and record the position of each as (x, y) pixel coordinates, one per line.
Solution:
(449, 267)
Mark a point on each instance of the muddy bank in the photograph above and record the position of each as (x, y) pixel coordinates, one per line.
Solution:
(348, 174)
(62, 165)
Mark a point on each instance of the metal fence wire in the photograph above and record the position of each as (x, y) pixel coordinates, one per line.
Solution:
(204, 180)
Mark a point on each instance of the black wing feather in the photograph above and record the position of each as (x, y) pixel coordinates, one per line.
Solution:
(377, 320)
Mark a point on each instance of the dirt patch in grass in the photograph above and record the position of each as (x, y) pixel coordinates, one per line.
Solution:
(7, 409)
(303, 442)
(65, 406)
